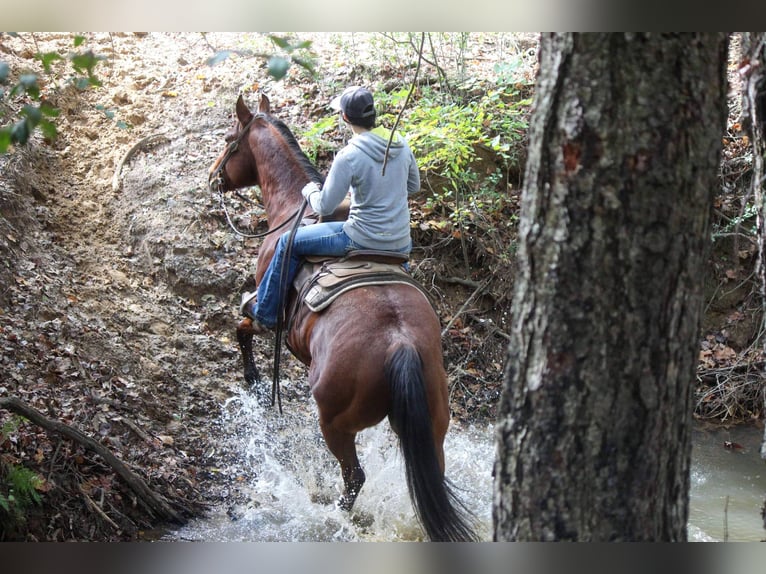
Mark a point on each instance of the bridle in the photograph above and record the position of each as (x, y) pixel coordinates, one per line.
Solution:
(215, 184)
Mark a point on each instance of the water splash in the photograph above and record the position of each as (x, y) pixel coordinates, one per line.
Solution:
(290, 481)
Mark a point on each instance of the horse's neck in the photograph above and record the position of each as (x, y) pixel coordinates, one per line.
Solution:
(281, 176)
(281, 203)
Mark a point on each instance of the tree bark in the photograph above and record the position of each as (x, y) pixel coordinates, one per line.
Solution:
(753, 70)
(594, 430)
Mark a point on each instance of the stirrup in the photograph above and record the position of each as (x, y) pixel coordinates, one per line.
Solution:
(247, 303)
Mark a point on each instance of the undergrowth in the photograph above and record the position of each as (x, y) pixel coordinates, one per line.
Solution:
(18, 487)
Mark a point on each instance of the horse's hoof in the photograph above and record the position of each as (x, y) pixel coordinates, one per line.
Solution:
(345, 503)
(251, 383)
(252, 378)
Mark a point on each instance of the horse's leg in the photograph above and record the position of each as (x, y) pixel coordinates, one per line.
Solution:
(245, 340)
(342, 445)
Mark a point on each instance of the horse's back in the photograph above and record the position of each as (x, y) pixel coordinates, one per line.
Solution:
(351, 342)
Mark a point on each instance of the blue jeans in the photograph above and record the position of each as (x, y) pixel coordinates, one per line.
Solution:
(317, 239)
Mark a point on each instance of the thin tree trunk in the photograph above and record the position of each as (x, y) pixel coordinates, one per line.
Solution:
(754, 113)
(594, 433)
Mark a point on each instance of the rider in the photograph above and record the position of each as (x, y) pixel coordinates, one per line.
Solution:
(379, 216)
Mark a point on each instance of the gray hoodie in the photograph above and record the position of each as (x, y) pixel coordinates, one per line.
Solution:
(379, 216)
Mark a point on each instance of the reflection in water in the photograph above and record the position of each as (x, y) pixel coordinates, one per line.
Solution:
(291, 481)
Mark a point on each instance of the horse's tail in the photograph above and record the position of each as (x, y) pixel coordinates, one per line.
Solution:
(442, 515)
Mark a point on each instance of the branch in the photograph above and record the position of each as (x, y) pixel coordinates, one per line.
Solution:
(151, 500)
(141, 144)
(100, 511)
(404, 107)
(482, 286)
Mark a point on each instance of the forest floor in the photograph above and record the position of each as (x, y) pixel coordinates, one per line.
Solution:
(120, 278)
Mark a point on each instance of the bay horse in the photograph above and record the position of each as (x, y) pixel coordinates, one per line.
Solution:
(374, 352)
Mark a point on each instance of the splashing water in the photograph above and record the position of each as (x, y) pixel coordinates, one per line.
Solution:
(290, 481)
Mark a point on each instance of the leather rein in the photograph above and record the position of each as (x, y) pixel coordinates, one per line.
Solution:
(215, 184)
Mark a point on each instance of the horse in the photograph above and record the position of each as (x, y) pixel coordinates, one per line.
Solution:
(375, 352)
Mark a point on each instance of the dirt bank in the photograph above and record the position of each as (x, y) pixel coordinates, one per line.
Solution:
(120, 285)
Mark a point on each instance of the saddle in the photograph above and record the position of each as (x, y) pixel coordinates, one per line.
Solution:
(321, 280)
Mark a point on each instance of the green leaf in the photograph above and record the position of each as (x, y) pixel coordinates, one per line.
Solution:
(5, 139)
(85, 63)
(48, 129)
(28, 80)
(277, 67)
(305, 45)
(280, 41)
(27, 84)
(78, 40)
(33, 113)
(48, 58)
(4, 71)
(219, 57)
(20, 132)
(49, 111)
(305, 64)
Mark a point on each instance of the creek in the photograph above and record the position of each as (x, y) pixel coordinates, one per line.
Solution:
(728, 485)
(288, 481)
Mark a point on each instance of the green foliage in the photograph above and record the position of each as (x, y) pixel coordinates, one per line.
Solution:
(18, 485)
(36, 112)
(313, 143)
(447, 137)
(19, 489)
(298, 53)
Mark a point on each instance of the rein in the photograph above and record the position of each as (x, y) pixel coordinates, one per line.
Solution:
(283, 287)
(215, 184)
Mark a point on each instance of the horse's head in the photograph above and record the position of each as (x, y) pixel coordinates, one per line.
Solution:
(261, 150)
(235, 167)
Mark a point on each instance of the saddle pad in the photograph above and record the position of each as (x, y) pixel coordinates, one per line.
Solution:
(338, 271)
(339, 276)
(318, 297)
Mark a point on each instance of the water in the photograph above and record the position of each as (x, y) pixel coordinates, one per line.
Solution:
(289, 481)
(719, 473)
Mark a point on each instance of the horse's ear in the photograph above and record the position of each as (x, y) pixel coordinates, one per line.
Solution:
(264, 106)
(244, 115)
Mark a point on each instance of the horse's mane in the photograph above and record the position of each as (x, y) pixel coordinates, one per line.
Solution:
(299, 154)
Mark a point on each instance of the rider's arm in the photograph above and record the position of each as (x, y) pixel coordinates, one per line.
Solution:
(413, 177)
(335, 188)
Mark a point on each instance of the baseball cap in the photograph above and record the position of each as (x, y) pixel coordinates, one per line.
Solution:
(356, 102)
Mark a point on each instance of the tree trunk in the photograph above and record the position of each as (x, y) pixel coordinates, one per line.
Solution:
(754, 115)
(594, 431)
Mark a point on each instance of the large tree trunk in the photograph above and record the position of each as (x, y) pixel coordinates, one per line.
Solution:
(595, 421)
